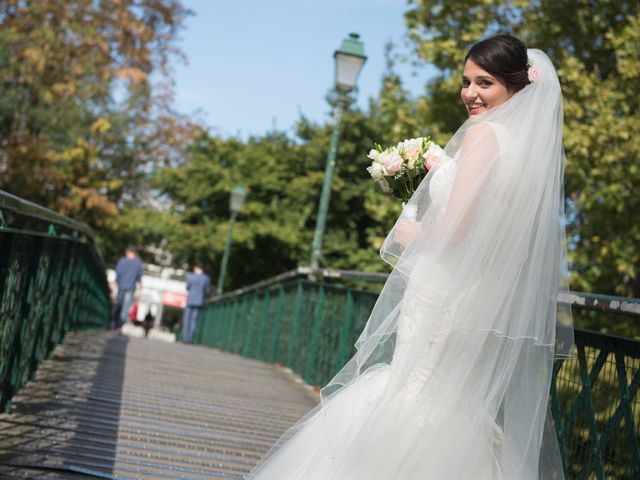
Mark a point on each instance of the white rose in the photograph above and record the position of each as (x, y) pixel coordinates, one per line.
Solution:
(374, 154)
(435, 150)
(411, 143)
(376, 170)
(382, 157)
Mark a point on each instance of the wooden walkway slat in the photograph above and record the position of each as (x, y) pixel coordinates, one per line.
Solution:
(116, 407)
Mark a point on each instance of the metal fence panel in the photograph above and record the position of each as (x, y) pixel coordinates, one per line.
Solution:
(52, 280)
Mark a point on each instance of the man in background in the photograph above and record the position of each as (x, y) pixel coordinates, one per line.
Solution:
(198, 288)
(128, 276)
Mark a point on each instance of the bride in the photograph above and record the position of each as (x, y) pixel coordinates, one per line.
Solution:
(452, 371)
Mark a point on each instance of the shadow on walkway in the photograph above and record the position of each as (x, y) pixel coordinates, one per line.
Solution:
(65, 424)
(117, 407)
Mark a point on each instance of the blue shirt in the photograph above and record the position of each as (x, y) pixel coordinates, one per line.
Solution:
(198, 286)
(128, 273)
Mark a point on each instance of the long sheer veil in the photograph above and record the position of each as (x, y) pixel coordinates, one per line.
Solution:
(468, 322)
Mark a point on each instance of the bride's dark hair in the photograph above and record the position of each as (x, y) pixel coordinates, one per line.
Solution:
(504, 57)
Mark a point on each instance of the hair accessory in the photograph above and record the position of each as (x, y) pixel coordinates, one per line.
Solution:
(533, 73)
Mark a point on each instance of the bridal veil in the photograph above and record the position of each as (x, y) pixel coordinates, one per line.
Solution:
(451, 375)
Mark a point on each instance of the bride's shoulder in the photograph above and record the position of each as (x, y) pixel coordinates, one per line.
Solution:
(499, 129)
(488, 128)
(481, 133)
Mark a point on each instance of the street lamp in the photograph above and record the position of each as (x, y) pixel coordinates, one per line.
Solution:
(236, 201)
(349, 59)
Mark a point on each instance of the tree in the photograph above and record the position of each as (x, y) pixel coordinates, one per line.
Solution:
(283, 177)
(594, 46)
(80, 119)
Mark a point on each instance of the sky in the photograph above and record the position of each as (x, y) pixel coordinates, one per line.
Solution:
(253, 65)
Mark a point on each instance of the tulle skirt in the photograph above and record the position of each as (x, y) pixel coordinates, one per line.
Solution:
(417, 417)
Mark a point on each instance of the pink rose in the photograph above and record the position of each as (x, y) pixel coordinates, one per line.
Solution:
(412, 155)
(433, 157)
(393, 163)
(533, 73)
(429, 161)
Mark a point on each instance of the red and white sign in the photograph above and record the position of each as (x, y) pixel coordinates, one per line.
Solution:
(174, 299)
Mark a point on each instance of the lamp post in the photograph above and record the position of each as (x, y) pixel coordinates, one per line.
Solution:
(349, 59)
(236, 201)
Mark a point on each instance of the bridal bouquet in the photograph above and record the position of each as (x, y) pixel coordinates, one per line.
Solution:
(400, 169)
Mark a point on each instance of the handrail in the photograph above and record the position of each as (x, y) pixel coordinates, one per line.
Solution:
(22, 206)
(602, 303)
(319, 273)
(591, 301)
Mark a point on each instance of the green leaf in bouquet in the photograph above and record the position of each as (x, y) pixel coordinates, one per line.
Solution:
(391, 180)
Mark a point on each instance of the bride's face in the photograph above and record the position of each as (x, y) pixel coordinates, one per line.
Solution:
(481, 90)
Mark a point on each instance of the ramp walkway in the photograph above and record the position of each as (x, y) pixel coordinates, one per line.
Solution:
(107, 405)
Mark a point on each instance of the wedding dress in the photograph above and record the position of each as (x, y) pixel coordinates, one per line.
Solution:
(452, 371)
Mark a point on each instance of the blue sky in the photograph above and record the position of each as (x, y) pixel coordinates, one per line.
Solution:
(256, 63)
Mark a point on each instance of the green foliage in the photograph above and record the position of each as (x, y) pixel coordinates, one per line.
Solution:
(80, 121)
(85, 132)
(123, 166)
(594, 46)
(283, 178)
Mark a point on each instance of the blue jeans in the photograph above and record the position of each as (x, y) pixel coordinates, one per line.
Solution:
(189, 322)
(125, 301)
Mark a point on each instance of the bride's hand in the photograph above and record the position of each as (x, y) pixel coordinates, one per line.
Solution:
(405, 230)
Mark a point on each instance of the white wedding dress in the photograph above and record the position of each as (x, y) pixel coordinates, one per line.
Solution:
(452, 372)
(362, 433)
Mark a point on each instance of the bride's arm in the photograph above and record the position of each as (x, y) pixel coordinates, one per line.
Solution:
(405, 231)
(478, 155)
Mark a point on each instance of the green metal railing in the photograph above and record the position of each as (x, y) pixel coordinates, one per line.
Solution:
(311, 327)
(52, 280)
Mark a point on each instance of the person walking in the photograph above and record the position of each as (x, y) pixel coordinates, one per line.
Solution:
(147, 324)
(198, 288)
(128, 277)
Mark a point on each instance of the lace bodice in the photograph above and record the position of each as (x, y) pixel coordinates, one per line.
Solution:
(441, 184)
(442, 180)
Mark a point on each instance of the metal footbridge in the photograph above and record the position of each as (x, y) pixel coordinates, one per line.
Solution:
(79, 401)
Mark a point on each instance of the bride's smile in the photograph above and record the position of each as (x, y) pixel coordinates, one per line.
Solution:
(481, 90)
